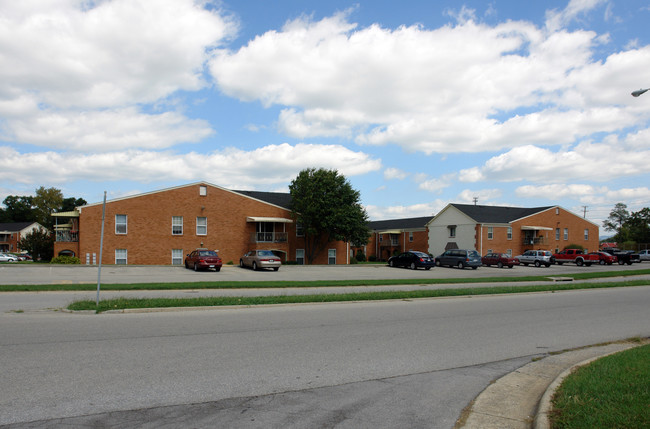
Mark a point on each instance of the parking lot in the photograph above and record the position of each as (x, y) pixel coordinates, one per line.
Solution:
(53, 274)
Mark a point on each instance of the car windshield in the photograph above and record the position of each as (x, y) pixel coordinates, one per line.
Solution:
(420, 254)
(473, 254)
(207, 253)
(265, 253)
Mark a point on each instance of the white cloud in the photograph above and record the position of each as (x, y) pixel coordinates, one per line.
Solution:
(400, 212)
(585, 161)
(460, 88)
(259, 169)
(483, 196)
(395, 173)
(587, 194)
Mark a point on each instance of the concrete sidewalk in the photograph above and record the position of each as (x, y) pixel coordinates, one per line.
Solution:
(522, 399)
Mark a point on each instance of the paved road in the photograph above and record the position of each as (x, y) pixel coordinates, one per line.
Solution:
(46, 274)
(384, 364)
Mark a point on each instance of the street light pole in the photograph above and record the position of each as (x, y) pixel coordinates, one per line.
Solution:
(639, 92)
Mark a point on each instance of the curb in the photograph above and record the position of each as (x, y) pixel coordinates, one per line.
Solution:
(522, 399)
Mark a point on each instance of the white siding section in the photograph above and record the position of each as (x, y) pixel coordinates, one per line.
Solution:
(439, 231)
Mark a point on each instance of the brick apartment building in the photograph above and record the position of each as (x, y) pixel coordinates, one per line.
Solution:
(510, 230)
(162, 227)
(11, 233)
(389, 237)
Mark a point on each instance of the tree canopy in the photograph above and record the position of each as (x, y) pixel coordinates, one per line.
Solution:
(38, 208)
(328, 209)
(629, 227)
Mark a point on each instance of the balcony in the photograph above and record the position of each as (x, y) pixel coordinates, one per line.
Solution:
(393, 242)
(269, 237)
(532, 241)
(67, 236)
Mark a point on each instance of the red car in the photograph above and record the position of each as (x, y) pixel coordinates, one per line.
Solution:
(500, 260)
(605, 258)
(203, 259)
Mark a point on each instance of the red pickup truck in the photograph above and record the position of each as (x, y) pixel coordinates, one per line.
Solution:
(576, 256)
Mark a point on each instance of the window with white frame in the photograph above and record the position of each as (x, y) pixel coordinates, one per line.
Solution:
(300, 256)
(201, 226)
(557, 233)
(177, 256)
(490, 232)
(586, 234)
(509, 233)
(300, 231)
(452, 231)
(509, 252)
(120, 257)
(411, 237)
(203, 190)
(566, 233)
(331, 256)
(120, 224)
(177, 225)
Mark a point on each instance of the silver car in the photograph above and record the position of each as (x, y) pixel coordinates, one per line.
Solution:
(536, 257)
(258, 259)
(644, 255)
(7, 257)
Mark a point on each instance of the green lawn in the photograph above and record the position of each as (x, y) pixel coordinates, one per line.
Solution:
(612, 392)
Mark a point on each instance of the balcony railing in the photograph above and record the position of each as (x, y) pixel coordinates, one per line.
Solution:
(393, 242)
(531, 241)
(67, 236)
(269, 237)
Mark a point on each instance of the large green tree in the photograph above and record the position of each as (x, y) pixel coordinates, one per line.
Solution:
(616, 220)
(39, 243)
(328, 209)
(17, 209)
(46, 202)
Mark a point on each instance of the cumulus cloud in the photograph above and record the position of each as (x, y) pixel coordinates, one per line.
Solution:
(395, 173)
(467, 87)
(230, 167)
(397, 212)
(585, 193)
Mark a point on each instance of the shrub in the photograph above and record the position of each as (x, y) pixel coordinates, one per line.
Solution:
(574, 246)
(65, 260)
(360, 256)
(372, 258)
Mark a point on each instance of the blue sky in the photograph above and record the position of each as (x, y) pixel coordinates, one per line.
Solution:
(418, 103)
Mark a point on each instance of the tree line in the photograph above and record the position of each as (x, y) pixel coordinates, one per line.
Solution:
(630, 227)
(37, 208)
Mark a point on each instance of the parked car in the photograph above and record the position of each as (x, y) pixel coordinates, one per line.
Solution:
(644, 255)
(413, 260)
(605, 258)
(7, 257)
(258, 259)
(576, 256)
(500, 260)
(623, 256)
(537, 258)
(460, 258)
(203, 259)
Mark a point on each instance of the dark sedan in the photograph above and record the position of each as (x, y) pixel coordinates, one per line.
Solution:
(500, 260)
(203, 259)
(412, 260)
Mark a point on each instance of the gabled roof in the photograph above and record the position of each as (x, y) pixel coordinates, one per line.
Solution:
(497, 214)
(16, 226)
(400, 224)
(276, 198)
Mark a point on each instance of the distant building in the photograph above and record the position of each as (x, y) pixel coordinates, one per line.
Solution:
(509, 230)
(11, 233)
(389, 237)
(161, 227)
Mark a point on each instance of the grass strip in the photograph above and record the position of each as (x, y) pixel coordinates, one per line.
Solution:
(313, 283)
(612, 392)
(130, 303)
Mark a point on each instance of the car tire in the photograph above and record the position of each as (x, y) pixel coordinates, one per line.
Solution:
(538, 264)
(461, 266)
(602, 262)
(412, 266)
(475, 268)
(580, 262)
(391, 264)
(217, 269)
(254, 266)
(196, 267)
(241, 263)
(499, 264)
(621, 262)
(438, 264)
(187, 266)
(276, 268)
(510, 266)
(427, 268)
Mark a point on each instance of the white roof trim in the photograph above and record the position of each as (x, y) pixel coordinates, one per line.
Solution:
(536, 228)
(268, 219)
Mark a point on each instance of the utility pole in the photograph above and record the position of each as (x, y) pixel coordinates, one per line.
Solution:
(584, 212)
(475, 200)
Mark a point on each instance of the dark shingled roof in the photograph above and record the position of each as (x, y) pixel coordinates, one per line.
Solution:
(496, 214)
(275, 198)
(15, 226)
(408, 223)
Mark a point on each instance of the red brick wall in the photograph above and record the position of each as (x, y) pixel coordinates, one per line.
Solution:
(374, 247)
(549, 219)
(149, 239)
